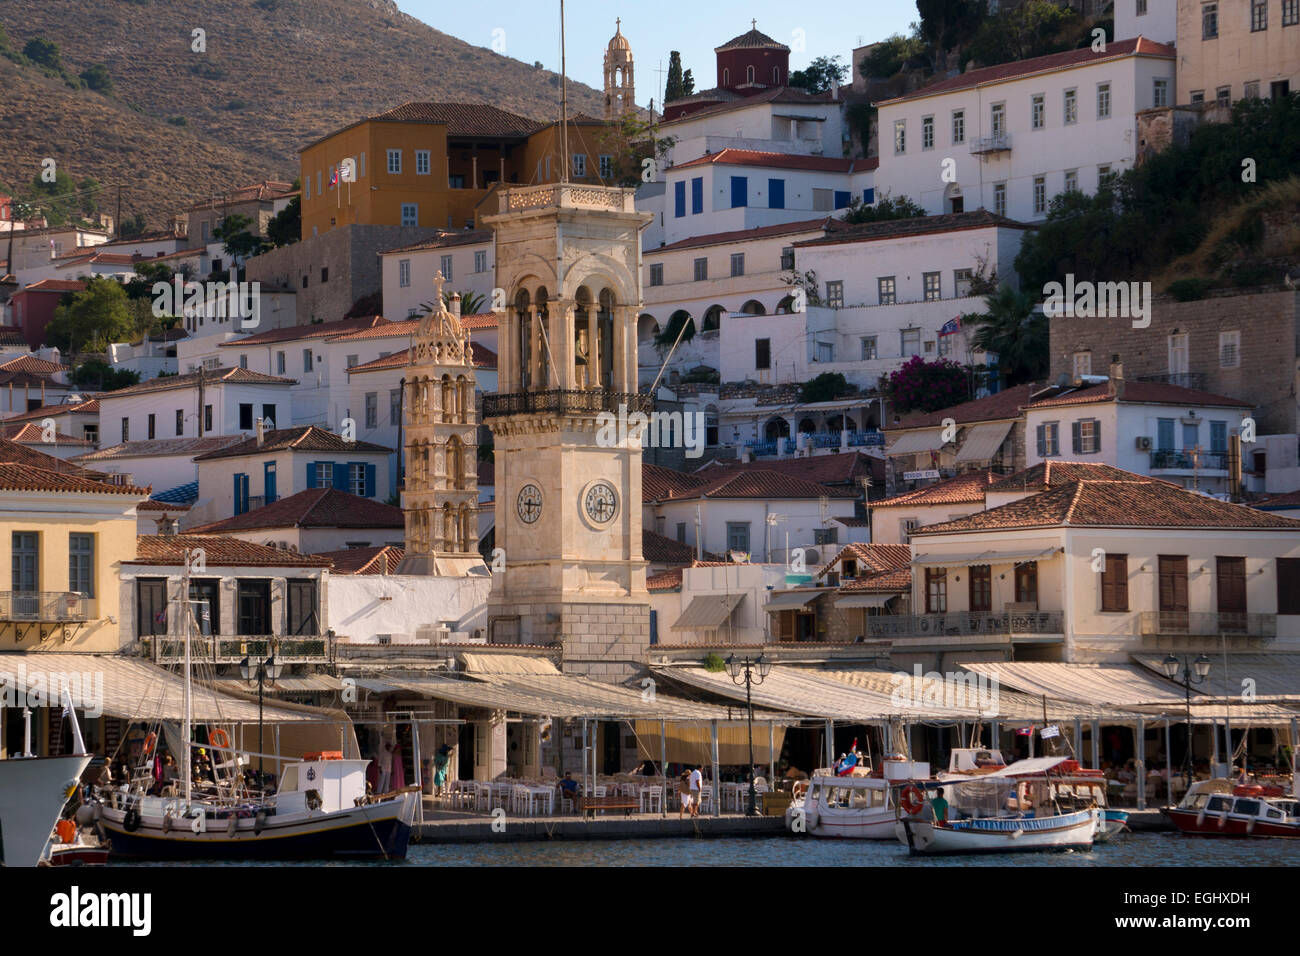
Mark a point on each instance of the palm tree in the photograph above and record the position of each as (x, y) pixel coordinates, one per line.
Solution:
(1015, 332)
(470, 303)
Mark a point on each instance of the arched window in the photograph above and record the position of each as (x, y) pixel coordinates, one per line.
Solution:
(605, 338)
(448, 399)
(726, 77)
(776, 428)
(543, 361)
(749, 74)
(524, 344)
(455, 463)
(776, 75)
(785, 306)
(712, 319)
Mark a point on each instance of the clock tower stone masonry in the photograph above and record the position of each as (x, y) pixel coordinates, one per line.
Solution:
(568, 499)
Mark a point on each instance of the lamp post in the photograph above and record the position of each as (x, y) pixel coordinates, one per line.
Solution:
(261, 672)
(750, 673)
(1201, 668)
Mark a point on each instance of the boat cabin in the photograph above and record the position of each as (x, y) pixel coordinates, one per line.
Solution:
(328, 783)
(975, 760)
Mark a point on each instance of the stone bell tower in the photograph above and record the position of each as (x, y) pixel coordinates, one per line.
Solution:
(620, 90)
(440, 424)
(568, 499)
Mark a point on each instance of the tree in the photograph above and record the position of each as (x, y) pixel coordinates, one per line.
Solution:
(630, 140)
(285, 228)
(146, 274)
(96, 78)
(44, 53)
(889, 56)
(92, 320)
(921, 386)
(1035, 28)
(101, 375)
(132, 226)
(826, 387)
(948, 24)
(673, 88)
(820, 75)
(239, 243)
(1016, 333)
(883, 209)
(688, 83)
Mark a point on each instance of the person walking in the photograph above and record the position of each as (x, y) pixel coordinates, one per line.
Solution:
(697, 791)
(684, 793)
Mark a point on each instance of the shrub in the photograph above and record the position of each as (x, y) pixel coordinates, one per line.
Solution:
(1188, 290)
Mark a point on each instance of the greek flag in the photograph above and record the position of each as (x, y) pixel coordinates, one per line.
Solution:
(1051, 730)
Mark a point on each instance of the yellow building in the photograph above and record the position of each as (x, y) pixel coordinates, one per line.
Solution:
(432, 164)
(1237, 49)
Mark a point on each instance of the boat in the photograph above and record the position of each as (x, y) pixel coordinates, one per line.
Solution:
(75, 845)
(33, 791)
(1215, 808)
(1075, 788)
(1013, 809)
(858, 806)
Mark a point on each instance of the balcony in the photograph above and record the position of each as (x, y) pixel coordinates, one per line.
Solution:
(859, 439)
(559, 401)
(45, 607)
(231, 649)
(1169, 460)
(1206, 624)
(965, 623)
(985, 145)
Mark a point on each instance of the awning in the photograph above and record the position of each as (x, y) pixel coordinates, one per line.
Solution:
(983, 441)
(1122, 685)
(911, 443)
(707, 612)
(693, 743)
(999, 556)
(790, 600)
(305, 683)
(864, 600)
(1275, 676)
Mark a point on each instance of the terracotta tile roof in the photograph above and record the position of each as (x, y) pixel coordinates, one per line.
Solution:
(1052, 474)
(668, 581)
(480, 320)
(33, 379)
(34, 432)
(461, 119)
(730, 156)
(403, 328)
(887, 582)
(301, 438)
(313, 508)
(56, 285)
(1117, 504)
(12, 336)
(465, 237)
(161, 235)
(658, 549)
(1003, 72)
(840, 468)
(1289, 500)
(996, 407)
(265, 191)
(758, 483)
(751, 40)
(11, 451)
(37, 366)
(24, 477)
(89, 407)
(484, 357)
(211, 377)
(222, 552)
(744, 235)
(1141, 393)
(156, 447)
(97, 258)
(153, 504)
(295, 333)
(725, 101)
(379, 560)
(920, 225)
(874, 558)
(962, 489)
(658, 482)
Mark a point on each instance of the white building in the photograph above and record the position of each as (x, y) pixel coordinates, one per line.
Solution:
(467, 261)
(779, 120)
(315, 520)
(165, 464)
(373, 607)
(1020, 133)
(1154, 19)
(714, 602)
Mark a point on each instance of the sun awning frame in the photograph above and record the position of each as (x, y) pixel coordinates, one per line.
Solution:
(913, 443)
(983, 441)
(708, 612)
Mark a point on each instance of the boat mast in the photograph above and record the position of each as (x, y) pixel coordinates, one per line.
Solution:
(187, 730)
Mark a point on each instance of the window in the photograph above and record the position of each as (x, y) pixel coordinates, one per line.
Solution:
(927, 132)
(180, 422)
(1071, 180)
(887, 289)
(245, 416)
(738, 536)
(1209, 21)
(325, 274)
(372, 409)
(762, 353)
(823, 200)
(681, 532)
(936, 590)
(1141, 8)
(280, 363)
(243, 361)
(825, 352)
(1258, 15)
(1114, 583)
(958, 127)
(1000, 199)
(421, 162)
(929, 346)
(361, 164)
(1082, 364)
(404, 273)
(150, 427)
(1290, 12)
(1288, 585)
(776, 194)
(787, 257)
(835, 294)
(241, 493)
(1165, 434)
(1103, 101)
(1218, 436)
(998, 119)
(350, 361)
(1251, 90)
(579, 165)
(701, 269)
(410, 215)
(207, 418)
(931, 283)
(961, 281)
(394, 406)
(1027, 582)
(657, 273)
(679, 200)
(906, 527)
(1223, 95)
(869, 349)
(1071, 112)
(91, 434)
(1049, 443)
(1085, 436)
(357, 478)
(737, 263)
(945, 345)
(1197, 96)
(445, 264)
(1037, 110)
(1279, 89)
(151, 606)
(739, 191)
(205, 225)
(606, 166)
(480, 262)
(1103, 174)
(81, 564)
(900, 137)
(306, 360)
(697, 195)
(1229, 349)
(911, 342)
(1160, 93)
(981, 588)
(394, 164)
(1040, 195)
(323, 474)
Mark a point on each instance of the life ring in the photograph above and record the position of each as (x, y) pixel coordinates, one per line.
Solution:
(149, 744)
(214, 735)
(911, 800)
(131, 821)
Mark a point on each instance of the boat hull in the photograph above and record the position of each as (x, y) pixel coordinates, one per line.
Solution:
(852, 826)
(79, 856)
(1113, 823)
(1213, 824)
(33, 791)
(1066, 832)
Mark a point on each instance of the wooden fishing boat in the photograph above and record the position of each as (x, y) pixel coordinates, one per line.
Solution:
(1213, 808)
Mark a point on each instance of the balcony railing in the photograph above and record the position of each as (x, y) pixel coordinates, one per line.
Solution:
(991, 144)
(762, 449)
(858, 439)
(965, 623)
(1206, 460)
(231, 649)
(1206, 624)
(559, 401)
(57, 607)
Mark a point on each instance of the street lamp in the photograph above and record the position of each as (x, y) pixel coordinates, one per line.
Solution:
(1201, 668)
(750, 673)
(261, 672)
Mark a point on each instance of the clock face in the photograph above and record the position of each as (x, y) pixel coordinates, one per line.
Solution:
(530, 503)
(601, 502)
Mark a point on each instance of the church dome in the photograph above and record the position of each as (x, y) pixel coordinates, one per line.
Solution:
(618, 41)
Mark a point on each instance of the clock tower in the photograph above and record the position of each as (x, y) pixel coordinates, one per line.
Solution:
(568, 499)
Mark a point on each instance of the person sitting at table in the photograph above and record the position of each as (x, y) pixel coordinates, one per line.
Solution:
(569, 786)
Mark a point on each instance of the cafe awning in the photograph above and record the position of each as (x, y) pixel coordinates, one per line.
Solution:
(983, 441)
(790, 600)
(707, 612)
(922, 440)
(850, 601)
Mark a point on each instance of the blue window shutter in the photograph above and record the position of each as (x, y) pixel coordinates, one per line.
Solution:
(370, 481)
(654, 626)
(311, 475)
(341, 476)
(679, 199)
(697, 195)
(739, 191)
(776, 193)
(842, 198)
(868, 196)
(237, 509)
(268, 482)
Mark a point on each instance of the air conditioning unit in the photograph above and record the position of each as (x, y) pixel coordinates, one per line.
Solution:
(1143, 443)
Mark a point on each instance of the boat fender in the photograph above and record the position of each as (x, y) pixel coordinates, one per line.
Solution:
(167, 823)
(259, 821)
(131, 820)
(85, 815)
(1223, 819)
(1250, 827)
(232, 826)
(1017, 834)
(1200, 817)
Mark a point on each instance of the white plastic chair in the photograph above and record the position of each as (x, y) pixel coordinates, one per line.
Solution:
(599, 791)
(706, 799)
(652, 799)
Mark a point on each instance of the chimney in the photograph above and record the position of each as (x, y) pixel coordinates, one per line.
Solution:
(1116, 385)
(455, 304)
(261, 432)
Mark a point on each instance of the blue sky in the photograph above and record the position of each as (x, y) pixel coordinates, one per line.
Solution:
(531, 31)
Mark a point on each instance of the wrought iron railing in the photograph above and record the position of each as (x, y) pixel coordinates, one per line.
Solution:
(761, 449)
(1206, 623)
(50, 606)
(559, 401)
(233, 648)
(1168, 458)
(858, 439)
(963, 623)
(991, 144)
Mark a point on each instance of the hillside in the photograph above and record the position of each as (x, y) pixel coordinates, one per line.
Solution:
(276, 75)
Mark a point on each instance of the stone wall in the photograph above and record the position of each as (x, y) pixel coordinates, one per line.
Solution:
(605, 641)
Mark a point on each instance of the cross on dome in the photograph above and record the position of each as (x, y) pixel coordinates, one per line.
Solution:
(437, 286)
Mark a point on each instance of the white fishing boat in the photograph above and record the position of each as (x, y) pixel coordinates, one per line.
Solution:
(1013, 809)
(859, 806)
(33, 791)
